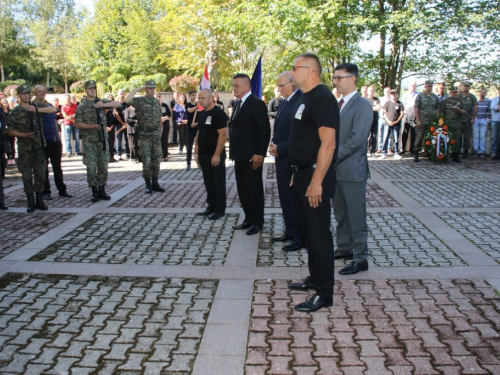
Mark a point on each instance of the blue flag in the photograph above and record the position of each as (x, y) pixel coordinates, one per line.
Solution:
(256, 81)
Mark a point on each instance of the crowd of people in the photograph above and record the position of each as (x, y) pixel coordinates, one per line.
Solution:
(319, 139)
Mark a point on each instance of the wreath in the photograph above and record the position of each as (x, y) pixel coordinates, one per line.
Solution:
(438, 140)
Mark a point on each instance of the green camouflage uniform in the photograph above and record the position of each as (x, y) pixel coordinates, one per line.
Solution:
(94, 157)
(452, 118)
(148, 111)
(31, 159)
(427, 105)
(469, 102)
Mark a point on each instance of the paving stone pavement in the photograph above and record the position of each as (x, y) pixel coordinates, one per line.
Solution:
(140, 284)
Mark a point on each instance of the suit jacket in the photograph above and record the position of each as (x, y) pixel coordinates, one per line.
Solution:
(283, 124)
(130, 120)
(355, 123)
(250, 130)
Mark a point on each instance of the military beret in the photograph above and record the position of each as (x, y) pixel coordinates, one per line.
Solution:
(429, 82)
(150, 84)
(466, 83)
(21, 89)
(454, 89)
(90, 84)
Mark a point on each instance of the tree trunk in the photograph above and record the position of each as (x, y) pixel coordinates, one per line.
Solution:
(48, 80)
(2, 73)
(402, 64)
(382, 47)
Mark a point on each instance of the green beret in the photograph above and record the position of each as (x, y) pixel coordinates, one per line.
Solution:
(150, 84)
(90, 84)
(21, 89)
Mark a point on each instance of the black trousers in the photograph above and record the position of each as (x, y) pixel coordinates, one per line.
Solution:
(283, 178)
(408, 130)
(182, 129)
(133, 146)
(164, 138)
(111, 142)
(214, 179)
(53, 151)
(314, 225)
(189, 147)
(372, 138)
(250, 191)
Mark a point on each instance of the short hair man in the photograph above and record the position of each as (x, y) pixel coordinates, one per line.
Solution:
(25, 123)
(279, 149)
(495, 122)
(312, 153)
(394, 111)
(68, 111)
(426, 108)
(408, 123)
(382, 126)
(148, 128)
(469, 102)
(480, 126)
(210, 153)
(191, 109)
(121, 128)
(375, 103)
(165, 119)
(90, 119)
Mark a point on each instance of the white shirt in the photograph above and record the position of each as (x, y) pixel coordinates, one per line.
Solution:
(408, 99)
(347, 98)
(245, 98)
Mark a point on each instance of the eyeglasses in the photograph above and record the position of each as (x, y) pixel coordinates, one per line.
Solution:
(338, 78)
(294, 68)
(280, 86)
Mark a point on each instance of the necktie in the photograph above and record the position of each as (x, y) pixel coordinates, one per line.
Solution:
(341, 103)
(282, 106)
(237, 108)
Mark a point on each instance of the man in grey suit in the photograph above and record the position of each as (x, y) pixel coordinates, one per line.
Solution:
(349, 202)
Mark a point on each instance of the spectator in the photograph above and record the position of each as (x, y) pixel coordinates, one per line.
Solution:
(217, 101)
(68, 111)
(495, 122)
(481, 124)
(180, 118)
(393, 112)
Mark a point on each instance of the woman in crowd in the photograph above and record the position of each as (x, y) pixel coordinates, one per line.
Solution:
(11, 154)
(217, 101)
(180, 118)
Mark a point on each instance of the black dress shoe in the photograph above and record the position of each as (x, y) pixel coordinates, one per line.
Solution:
(294, 246)
(47, 197)
(337, 255)
(354, 267)
(65, 194)
(207, 211)
(243, 225)
(215, 216)
(254, 229)
(282, 238)
(3, 207)
(313, 304)
(303, 285)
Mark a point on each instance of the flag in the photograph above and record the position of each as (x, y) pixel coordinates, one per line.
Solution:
(204, 84)
(256, 81)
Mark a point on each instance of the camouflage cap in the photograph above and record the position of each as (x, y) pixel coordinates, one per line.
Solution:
(466, 83)
(21, 89)
(150, 84)
(454, 89)
(429, 82)
(90, 84)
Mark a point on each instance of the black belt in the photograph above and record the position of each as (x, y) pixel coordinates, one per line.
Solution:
(296, 168)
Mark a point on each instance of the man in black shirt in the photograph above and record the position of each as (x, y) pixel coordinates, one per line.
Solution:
(313, 141)
(121, 126)
(210, 154)
(165, 118)
(191, 108)
(375, 103)
(393, 113)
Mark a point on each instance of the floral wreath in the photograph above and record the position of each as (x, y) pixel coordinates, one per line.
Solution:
(438, 140)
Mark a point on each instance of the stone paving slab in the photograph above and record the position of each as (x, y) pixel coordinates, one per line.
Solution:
(408, 170)
(490, 168)
(452, 194)
(394, 239)
(195, 174)
(18, 229)
(482, 229)
(154, 239)
(187, 194)
(377, 327)
(101, 325)
(81, 196)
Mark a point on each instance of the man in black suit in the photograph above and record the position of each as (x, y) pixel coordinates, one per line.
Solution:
(131, 121)
(249, 136)
(279, 149)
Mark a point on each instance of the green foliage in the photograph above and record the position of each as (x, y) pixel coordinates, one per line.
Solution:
(113, 79)
(77, 87)
(4, 85)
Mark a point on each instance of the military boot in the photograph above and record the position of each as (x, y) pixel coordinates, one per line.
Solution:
(102, 193)
(39, 201)
(456, 158)
(156, 185)
(149, 188)
(416, 156)
(31, 202)
(95, 194)
(466, 154)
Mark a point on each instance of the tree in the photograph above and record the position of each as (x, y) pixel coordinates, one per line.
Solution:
(12, 49)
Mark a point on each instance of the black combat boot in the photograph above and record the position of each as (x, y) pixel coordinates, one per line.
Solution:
(466, 154)
(156, 185)
(39, 201)
(95, 194)
(456, 158)
(102, 193)
(31, 202)
(497, 155)
(416, 156)
(149, 188)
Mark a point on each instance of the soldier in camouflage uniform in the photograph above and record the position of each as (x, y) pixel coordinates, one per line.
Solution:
(426, 108)
(94, 139)
(451, 112)
(25, 122)
(148, 130)
(470, 105)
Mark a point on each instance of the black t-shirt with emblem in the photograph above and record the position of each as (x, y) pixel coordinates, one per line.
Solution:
(209, 122)
(317, 108)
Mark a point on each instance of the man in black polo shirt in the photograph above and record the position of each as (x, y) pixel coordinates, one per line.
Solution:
(313, 140)
(210, 153)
